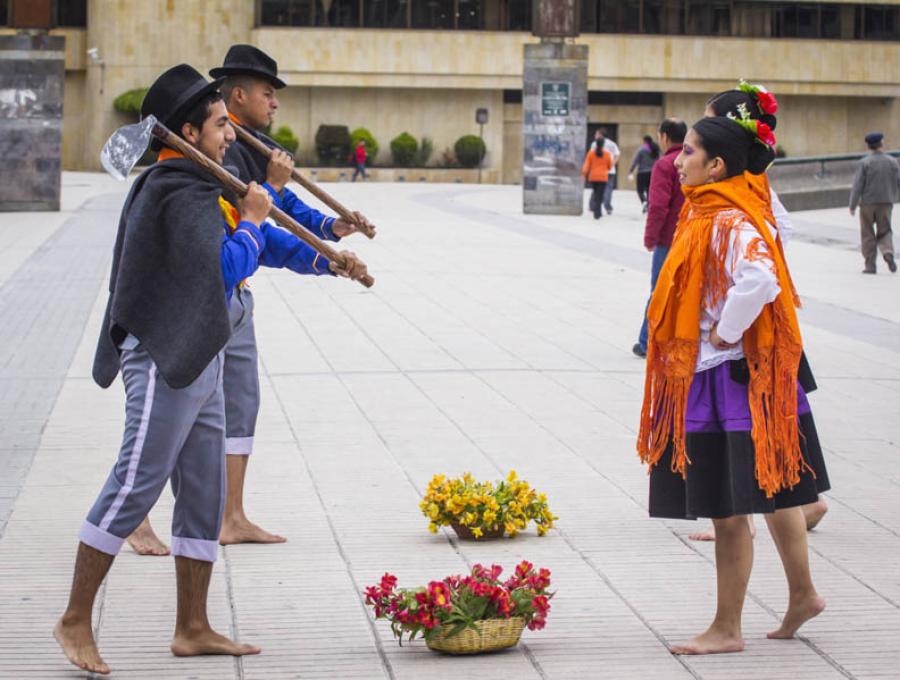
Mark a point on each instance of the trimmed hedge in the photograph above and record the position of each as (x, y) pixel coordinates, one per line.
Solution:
(286, 137)
(470, 150)
(130, 102)
(403, 148)
(333, 144)
(423, 155)
(371, 143)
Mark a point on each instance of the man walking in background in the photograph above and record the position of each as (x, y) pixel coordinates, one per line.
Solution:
(875, 190)
(665, 201)
(614, 152)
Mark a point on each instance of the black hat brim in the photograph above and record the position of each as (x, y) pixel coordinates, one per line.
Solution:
(225, 71)
(191, 97)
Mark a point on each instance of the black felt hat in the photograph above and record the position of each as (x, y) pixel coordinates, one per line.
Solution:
(174, 92)
(249, 61)
(874, 138)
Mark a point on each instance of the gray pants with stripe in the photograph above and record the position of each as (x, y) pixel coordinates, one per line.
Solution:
(170, 434)
(241, 380)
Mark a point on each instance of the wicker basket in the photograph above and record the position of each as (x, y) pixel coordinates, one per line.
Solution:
(489, 636)
(465, 533)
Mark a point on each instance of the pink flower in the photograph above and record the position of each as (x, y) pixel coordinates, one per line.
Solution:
(496, 570)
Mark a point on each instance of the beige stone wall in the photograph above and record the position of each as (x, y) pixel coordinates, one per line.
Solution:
(443, 115)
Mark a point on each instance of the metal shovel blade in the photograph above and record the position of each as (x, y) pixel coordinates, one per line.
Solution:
(125, 147)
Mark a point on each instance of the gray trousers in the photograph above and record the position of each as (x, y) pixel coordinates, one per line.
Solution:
(169, 434)
(241, 373)
(875, 231)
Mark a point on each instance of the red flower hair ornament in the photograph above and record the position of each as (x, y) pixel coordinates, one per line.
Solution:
(768, 104)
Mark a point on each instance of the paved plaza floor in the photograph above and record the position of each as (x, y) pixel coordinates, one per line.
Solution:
(491, 341)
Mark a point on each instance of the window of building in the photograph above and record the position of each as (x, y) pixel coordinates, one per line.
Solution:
(625, 98)
(338, 13)
(70, 13)
(432, 14)
(4, 13)
(387, 13)
(618, 16)
(878, 23)
(518, 15)
(512, 96)
(470, 14)
(286, 12)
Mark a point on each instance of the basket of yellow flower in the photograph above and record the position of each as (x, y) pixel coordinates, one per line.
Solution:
(484, 510)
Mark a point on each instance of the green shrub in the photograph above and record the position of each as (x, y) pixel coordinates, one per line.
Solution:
(403, 149)
(469, 150)
(423, 155)
(286, 138)
(333, 144)
(130, 102)
(371, 143)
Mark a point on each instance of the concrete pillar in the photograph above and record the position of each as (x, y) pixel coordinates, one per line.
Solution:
(554, 102)
(32, 76)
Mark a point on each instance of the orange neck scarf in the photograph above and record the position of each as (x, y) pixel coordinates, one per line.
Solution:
(693, 276)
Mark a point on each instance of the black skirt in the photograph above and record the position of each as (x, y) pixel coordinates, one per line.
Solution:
(721, 478)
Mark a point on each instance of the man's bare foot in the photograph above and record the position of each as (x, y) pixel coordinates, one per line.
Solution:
(209, 642)
(710, 533)
(796, 616)
(711, 642)
(144, 541)
(77, 643)
(814, 512)
(245, 531)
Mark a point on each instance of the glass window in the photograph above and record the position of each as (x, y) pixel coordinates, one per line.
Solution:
(4, 13)
(519, 15)
(338, 13)
(831, 22)
(386, 13)
(432, 14)
(286, 12)
(880, 23)
(469, 15)
(619, 16)
(70, 12)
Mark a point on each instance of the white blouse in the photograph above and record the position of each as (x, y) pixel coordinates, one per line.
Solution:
(753, 285)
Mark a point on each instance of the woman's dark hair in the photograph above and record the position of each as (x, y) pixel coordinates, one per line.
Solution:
(723, 138)
(730, 100)
(654, 147)
(196, 115)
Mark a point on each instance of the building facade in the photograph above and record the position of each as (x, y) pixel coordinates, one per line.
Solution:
(425, 66)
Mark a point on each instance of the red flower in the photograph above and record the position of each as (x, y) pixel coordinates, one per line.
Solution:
(524, 569)
(440, 595)
(765, 134)
(496, 570)
(767, 102)
(388, 581)
(540, 581)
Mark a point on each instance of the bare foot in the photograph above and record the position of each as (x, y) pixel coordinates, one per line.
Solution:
(710, 533)
(209, 642)
(796, 615)
(814, 512)
(144, 541)
(246, 531)
(77, 642)
(711, 642)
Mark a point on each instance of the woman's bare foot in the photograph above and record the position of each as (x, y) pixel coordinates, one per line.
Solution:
(144, 541)
(796, 615)
(245, 531)
(710, 533)
(208, 641)
(713, 641)
(814, 512)
(77, 643)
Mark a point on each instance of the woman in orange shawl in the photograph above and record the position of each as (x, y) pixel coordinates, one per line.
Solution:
(722, 416)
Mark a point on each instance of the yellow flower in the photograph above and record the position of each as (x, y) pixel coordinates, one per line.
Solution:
(433, 528)
(512, 476)
(477, 532)
(541, 530)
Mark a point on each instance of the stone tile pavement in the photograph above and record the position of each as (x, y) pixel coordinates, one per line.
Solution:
(491, 341)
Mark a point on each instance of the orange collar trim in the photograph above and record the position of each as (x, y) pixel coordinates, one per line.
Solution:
(166, 153)
(234, 119)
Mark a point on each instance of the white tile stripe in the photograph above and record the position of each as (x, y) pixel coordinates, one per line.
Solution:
(239, 446)
(136, 452)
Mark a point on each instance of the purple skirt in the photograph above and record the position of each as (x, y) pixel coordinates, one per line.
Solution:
(721, 478)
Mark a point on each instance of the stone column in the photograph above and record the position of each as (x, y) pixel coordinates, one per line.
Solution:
(32, 76)
(554, 107)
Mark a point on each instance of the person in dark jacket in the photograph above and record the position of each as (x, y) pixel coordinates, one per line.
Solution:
(875, 190)
(165, 327)
(664, 203)
(644, 158)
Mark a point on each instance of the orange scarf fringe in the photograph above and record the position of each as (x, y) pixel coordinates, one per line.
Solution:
(695, 275)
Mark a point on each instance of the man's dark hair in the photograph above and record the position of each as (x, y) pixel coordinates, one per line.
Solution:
(241, 80)
(602, 131)
(196, 115)
(674, 129)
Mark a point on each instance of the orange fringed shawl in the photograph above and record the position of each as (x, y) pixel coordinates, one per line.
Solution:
(695, 275)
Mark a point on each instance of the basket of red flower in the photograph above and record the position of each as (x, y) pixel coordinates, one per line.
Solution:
(466, 614)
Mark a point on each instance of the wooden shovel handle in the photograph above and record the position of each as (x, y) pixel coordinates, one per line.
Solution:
(172, 140)
(310, 186)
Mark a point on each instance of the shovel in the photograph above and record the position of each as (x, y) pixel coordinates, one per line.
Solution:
(255, 143)
(125, 147)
